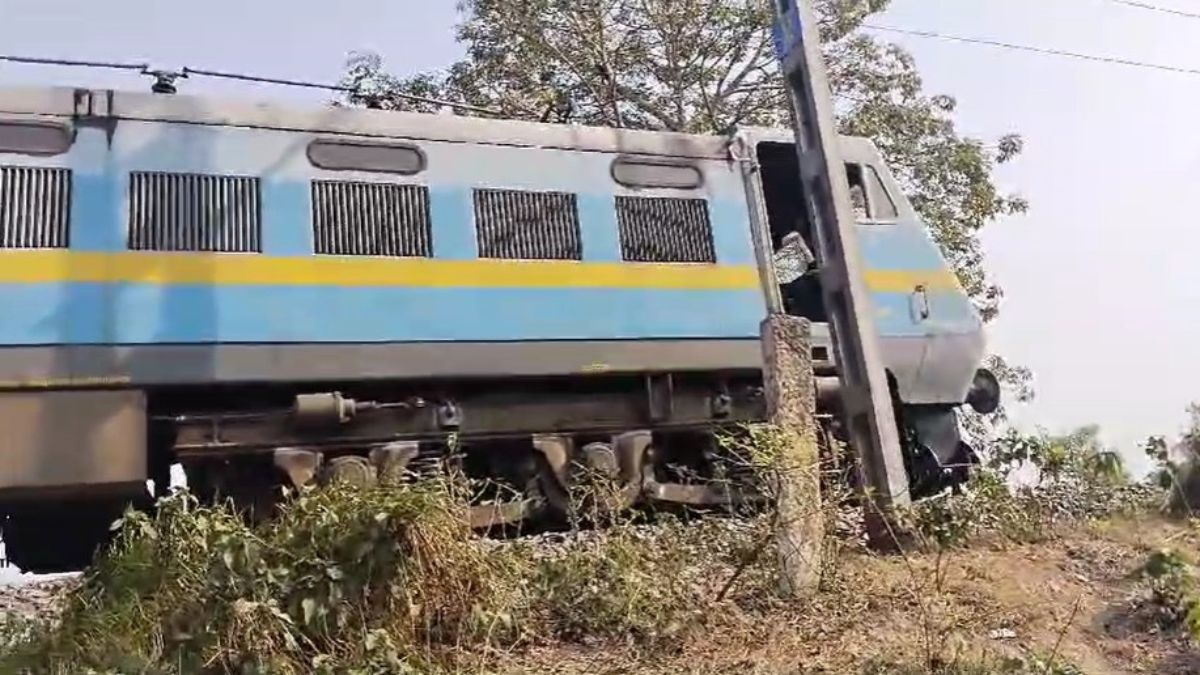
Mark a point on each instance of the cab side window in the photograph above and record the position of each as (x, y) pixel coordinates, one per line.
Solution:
(880, 202)
(868, 196)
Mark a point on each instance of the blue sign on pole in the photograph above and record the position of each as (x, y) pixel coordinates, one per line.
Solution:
(786, 33)
(781, 48)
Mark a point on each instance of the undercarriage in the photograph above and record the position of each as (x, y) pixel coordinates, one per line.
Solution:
(523, 449)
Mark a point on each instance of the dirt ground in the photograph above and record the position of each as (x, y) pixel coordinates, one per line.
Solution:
(1076, 597)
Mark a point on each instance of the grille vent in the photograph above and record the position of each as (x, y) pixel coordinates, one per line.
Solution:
(377, 219)
(665, 229)
(527, 225)
(194, 212)
(35, 207)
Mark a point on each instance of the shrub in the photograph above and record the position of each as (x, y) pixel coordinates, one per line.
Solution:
(1028, 664)
(1174, 590)
(350, 580)
(195, 589)
(1028, 486)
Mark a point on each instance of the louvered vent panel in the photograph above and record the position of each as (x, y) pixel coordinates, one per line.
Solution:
(527, 225)
(665, 229)
(194, 212)
(371, 219)
(35, 207)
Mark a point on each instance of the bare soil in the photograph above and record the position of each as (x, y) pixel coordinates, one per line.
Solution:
(1075, 596)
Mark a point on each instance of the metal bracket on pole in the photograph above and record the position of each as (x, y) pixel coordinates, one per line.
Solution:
(870, 419)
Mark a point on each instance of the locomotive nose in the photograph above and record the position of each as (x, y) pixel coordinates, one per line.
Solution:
(984, 395)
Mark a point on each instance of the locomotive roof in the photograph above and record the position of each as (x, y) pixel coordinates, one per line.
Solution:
(65, 102)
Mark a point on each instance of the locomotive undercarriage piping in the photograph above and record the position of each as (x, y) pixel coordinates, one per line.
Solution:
(651, 438)
(652, 441)
(329, 436)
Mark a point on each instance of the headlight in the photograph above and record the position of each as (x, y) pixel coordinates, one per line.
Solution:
(984, 395)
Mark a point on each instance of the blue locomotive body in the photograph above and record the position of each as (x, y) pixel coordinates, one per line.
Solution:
(174, 263)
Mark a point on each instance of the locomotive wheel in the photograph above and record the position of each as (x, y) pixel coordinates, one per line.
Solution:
(524, 487)
(599, 485)
(349, 470)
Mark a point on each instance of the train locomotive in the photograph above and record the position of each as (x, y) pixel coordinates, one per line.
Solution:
(264, 295)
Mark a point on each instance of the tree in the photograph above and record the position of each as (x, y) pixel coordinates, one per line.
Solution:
(707, 66)
(1178, 464)
(946, 176)
(687, 65)
(985, 431)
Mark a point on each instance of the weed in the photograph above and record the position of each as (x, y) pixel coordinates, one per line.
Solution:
(1073, 480)
(1173, 590)
(373, 581)
(622, 583)
(195, 589)
(391, 580)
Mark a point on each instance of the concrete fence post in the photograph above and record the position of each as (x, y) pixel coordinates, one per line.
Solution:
(791, 409)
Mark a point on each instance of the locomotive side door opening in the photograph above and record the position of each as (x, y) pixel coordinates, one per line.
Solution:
(796, 267)
(793, 244)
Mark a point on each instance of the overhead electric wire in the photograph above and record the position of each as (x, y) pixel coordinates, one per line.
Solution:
(145, 69)
(188, 72)
(1048, 51)
(73, 62)
(1111, 60)
(1157, 8)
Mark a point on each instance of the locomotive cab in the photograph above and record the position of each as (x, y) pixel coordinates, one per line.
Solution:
(931, 336)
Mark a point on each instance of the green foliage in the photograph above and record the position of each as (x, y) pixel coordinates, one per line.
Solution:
(362, 581)
(1156, 449)
(986, 505)
(1077, 456)
(1174, 590)
(1177, 465)
(195, 589)
(1030, 484)
(619, 585)
(945, 175)
(390, 580)
(689, 65)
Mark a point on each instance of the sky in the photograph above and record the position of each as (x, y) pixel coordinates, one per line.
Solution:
(1100, 274)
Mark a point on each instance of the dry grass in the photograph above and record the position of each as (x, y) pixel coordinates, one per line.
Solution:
(371, 581)
(390, 580)
(637, 599)
(996, 607)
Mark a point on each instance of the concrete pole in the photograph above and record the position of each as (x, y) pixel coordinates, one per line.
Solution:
(791, 409)
(870, 421)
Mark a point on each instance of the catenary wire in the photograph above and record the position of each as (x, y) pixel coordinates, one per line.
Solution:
(1111, 60)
